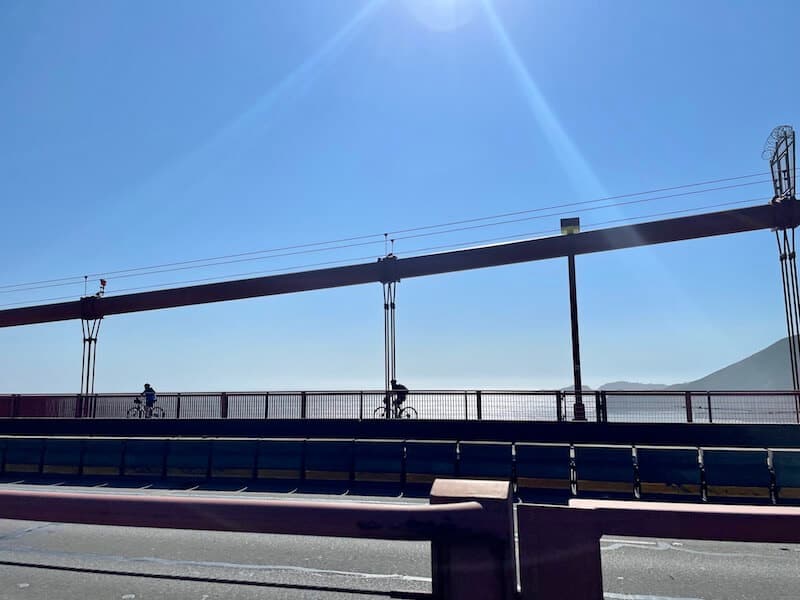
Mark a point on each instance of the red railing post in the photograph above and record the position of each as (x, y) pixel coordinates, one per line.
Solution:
(223, 405)
(559, 553)
(477, 564)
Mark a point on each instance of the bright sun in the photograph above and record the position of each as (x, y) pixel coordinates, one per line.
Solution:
(443, 15)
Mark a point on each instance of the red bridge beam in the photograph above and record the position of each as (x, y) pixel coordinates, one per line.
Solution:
(782, 215)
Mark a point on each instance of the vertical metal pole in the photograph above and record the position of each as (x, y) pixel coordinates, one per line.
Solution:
(83, 356)
(393, 295)
(559, 407)
(708, 398)
(479, 408)
(579, 408)
(689, 412)
(604, 406)
(386, 342)
(223, 405)
(93, 350)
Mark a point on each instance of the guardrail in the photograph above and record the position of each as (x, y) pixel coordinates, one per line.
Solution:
(559, 547)
(540, 472)
(469, 524)
(612, 406)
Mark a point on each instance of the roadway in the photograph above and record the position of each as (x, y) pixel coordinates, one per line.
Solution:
(53, 560)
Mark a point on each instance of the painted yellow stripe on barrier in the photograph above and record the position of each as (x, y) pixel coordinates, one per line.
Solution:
(419, 478)
(278, 473)
(186, 472)
(689, 489)
(151, 472)
(789, 492)
(22, 467)
(589, 485)
(379, 477)
(738, 491)
(60, 469)
(248, 473)
(540, 482)
(328, 475)
(100, 470)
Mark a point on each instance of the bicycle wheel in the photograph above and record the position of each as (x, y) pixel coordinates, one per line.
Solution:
(157, 413)
(409, 412)
(379, 413)
(134, 413)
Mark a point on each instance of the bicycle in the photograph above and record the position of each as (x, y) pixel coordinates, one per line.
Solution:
(397, 411)
(148, 412)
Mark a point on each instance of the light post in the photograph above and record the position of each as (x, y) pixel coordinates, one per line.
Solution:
(571, 226)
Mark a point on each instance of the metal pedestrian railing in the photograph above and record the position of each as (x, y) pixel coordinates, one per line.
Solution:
(606, 406)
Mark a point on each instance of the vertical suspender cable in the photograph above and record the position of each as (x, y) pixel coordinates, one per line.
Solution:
(392, 295)
(95, 331)
(386, 363)
(790, 321)
(83, 356)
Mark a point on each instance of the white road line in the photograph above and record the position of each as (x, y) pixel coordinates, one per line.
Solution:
(642, 543)
(612, 596)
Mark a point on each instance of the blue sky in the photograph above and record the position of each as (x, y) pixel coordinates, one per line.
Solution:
(139, 134)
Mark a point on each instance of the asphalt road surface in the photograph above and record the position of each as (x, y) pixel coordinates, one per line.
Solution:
(44, 560)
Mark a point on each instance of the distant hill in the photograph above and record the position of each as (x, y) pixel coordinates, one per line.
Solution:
(768, 369)
(630, 385)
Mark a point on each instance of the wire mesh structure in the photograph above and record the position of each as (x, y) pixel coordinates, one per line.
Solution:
(607, 406)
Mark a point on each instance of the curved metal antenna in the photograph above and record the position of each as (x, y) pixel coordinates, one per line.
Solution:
(778, 134)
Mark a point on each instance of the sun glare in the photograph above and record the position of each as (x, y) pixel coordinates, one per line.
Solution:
(443, 15)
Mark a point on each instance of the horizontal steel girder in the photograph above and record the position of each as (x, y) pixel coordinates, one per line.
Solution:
(781, 216)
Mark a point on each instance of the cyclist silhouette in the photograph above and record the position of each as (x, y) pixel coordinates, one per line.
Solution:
(400, 394)
(149, 399)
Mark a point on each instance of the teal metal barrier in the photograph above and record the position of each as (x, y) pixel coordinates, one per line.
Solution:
(485, 460)
(102, 458)
(280, 460)
(669, 474)
(426, 461)
(543, 472)
(604, 472)
(786, 465)
(144, 458)
(189, 458)
(235, 459)
(23, 456)
(329, 461)
(62, 457)
(378, 465)
(737, 476)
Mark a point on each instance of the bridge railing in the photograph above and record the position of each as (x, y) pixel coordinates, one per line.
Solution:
(559, 546)
(469, 524)
(623, 406)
